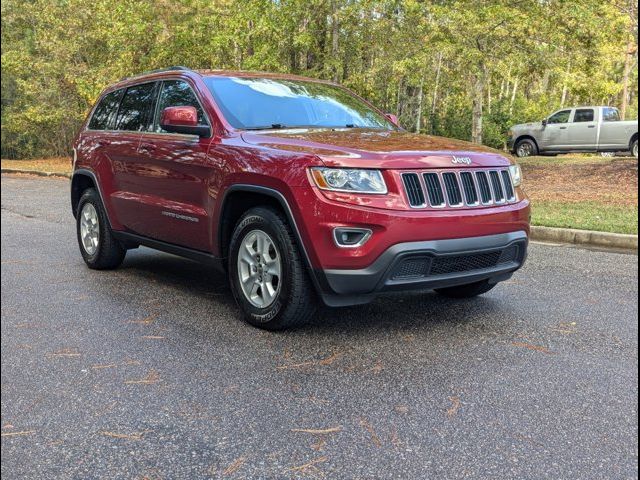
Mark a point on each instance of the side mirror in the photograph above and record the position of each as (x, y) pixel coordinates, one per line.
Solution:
(392, 118)
(183, 120)
(545, 122)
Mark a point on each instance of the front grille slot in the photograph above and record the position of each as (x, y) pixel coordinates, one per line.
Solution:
(498, 191)
(414, 189)
(485, 189)
(508, 186)
(469, 187)
(453, 188)
(434, 189)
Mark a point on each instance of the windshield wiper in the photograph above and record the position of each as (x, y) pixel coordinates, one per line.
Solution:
(273, 126)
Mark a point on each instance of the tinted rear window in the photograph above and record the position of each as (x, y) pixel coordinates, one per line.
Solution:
(611, 114)
(135, 108)
(104, 114)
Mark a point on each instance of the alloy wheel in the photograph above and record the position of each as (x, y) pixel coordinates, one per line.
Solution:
(89, 228)
(259, 269)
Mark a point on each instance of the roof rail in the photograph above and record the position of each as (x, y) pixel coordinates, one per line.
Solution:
(159, 70)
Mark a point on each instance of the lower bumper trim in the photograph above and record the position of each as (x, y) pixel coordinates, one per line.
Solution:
(430, 265)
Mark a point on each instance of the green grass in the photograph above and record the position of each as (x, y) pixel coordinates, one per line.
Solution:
(586, 216)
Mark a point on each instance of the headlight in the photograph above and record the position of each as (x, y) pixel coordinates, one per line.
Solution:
(349, 180)
(516, 175)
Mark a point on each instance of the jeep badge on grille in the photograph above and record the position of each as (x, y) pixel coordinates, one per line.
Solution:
(461, 160)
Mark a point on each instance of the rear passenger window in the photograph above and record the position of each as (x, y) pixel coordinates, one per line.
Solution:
(135, 108)
(584, 115)
(176, 93)
(610, 114)
(104, 114)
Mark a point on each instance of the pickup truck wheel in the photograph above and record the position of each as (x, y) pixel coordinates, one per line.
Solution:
(467, 291)
(526, 148)
(99, 249)
(634, 148)
(267, 273)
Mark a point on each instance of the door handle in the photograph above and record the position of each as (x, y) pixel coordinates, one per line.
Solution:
(591, 126)
(563, 128)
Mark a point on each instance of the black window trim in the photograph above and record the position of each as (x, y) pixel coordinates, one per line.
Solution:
(156, 96)
(157, 105)
(153, 100)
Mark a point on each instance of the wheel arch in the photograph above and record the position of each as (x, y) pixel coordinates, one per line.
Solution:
(526, 137)
(239, 198)
(81, 181)
(634, 137)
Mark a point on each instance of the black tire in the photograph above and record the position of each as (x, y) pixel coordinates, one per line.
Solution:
(109, 253)
(526, 145)
(634, 148)
(295, 302)
(467, 291)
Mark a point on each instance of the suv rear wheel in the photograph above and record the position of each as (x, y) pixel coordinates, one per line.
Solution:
(266, 272)
(99, 249)
(467, 291)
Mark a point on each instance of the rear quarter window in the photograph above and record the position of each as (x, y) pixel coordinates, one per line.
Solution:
(104, 114)
(134, 113)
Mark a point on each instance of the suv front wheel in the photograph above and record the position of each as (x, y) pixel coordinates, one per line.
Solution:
(99, 249)
(267, 274)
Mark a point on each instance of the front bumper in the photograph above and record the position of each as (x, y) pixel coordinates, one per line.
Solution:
(427, 265)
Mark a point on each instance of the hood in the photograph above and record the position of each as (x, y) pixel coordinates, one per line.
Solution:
(527, 126)
(379, 149)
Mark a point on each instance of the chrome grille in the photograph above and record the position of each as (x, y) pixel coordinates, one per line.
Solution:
(470, 188)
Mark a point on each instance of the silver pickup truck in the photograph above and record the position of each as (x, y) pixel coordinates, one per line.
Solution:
(582, 129)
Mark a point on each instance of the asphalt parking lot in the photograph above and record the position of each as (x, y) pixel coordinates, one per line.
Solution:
(148, 372)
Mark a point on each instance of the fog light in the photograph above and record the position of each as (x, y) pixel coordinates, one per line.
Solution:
(351, 237)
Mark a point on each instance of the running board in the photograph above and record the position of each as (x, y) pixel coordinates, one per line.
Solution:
(131, 240)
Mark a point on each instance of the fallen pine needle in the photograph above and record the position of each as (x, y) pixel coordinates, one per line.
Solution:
(152, 337)
(152, 377)
(455, 406)
(67, 352)
(317, 431)
(99, 367)
(235, 466)
(15, 434)
(324, 362)
(529, 346)
(310, 464)
(374, 436)
(124, 436)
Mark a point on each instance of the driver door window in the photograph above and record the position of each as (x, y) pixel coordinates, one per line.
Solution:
(177, 93)
(559, 117)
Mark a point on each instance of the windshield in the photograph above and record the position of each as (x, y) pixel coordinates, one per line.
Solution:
(264, 103)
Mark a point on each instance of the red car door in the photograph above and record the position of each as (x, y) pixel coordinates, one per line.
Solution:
(134, 117)
(173, 175)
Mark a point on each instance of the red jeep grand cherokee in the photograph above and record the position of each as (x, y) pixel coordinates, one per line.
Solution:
(296, 187)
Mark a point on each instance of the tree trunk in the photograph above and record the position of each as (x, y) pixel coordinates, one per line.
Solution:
(436, 87)
(624, 105)
(335, 32)
(478, 104)
(514, 93)
(419, 112)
